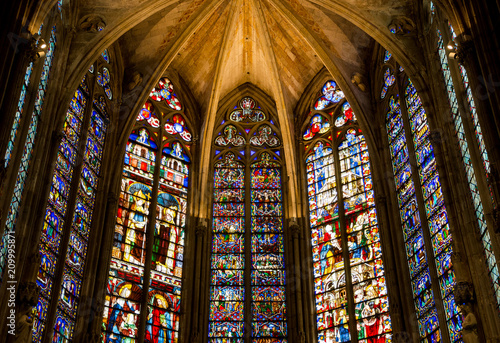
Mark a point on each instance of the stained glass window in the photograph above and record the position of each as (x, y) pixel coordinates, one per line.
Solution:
(387, 56)
(28, 149)
(435, 209)
(389, 80)
(491, 260)
(423, 296)
(351, 295)
(19, 111)
(152, 153)
(76, 176)
(247, 292)
(330, 94)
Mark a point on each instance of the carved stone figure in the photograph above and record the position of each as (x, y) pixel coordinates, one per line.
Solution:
(469, 329)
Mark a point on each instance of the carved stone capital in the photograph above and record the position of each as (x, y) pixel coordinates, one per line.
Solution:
(201, 230)
(463, 292)
(27, 294)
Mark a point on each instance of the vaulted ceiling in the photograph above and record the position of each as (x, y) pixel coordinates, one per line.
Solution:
(217, 45)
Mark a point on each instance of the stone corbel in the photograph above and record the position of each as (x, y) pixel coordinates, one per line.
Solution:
(359, 81)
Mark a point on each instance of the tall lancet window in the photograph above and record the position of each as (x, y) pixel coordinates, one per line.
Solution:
(69, 210)
(143, 293)
(351, 293)
(468, 127)
(26, 144)
(423, 213)
(247, 292)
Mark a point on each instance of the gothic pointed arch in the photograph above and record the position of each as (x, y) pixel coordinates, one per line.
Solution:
(350, 288)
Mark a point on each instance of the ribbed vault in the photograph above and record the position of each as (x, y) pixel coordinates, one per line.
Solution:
(216, 46)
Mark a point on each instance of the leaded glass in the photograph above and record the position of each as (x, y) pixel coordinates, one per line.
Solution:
(466, 159)
(27, 152)
(389, 80)
(19, 112)
(268, 293)
(247, 228)
(105, 55)
(228, 259)
(147, 159)
(164, 91)
(356, 217)
(387, 56)
(317, 126)
(104, 80)
(412, 229)
(248, 112)
(331, 95)
(434, 208)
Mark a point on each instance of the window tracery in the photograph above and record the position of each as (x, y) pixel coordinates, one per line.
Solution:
(349, 276)
(150, 225)
(66, 233)
(247, 292)
(426, 230)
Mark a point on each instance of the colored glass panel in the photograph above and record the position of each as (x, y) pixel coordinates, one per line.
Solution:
(227, 294)
(389, 80)
(77, 251)
(412, 231)
(466, 158)
(19, 112)
(164, 91)
(145, 163)
(328, 262)
(317, 126)
(434, 206)
(387, 56)
(247, 113)
(27, 152)
(268, 291)
(347, 116)
(371, 306)
(330, 95)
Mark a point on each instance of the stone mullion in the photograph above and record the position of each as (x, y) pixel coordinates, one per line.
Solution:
(443, 327)
(200, 232)
(295, 231)
(345, 247)
(150, 234)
